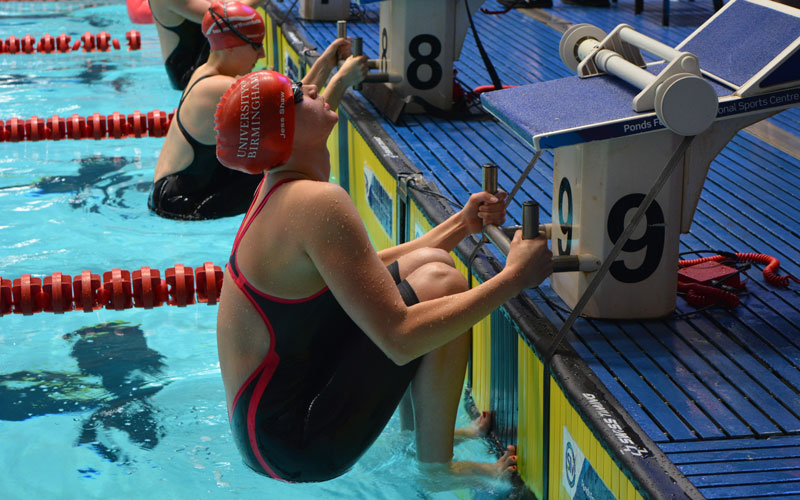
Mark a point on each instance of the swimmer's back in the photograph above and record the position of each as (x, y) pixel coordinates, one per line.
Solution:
(280, 231)
(196, 115)
(243, 339)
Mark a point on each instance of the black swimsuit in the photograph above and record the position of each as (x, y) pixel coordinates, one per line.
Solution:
(323, 392)
(206, 189)
(191, 51)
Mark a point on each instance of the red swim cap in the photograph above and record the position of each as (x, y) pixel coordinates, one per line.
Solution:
(255, 122)
(231, 24)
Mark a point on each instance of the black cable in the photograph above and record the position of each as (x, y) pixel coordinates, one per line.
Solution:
(486, 61)
(413, 185)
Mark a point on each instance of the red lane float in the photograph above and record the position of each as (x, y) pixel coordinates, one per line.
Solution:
(118, 290)
(134, 40)
(46, 44)
(28, 44)
(88, 42)
(11, 45)
(102, 42)
(114, 126)
(62, 42)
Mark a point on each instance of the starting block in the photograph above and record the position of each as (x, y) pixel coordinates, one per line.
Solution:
(617, 123)
(324, 10)
(419, 41)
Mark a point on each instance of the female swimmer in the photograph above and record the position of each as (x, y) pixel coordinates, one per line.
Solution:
(319, 335)
(183, 45)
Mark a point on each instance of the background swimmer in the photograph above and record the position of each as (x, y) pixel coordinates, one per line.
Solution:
(189, 182)
(183, 45)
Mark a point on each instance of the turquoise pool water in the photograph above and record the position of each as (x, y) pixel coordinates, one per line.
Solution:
(123, 404)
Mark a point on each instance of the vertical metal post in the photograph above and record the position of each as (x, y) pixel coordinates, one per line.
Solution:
(489, 177)
(357, 49)
(530, 220)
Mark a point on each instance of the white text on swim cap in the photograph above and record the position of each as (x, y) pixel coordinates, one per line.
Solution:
(249, 120)
(281, 112)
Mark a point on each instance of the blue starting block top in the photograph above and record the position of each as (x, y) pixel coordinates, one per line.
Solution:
(575, 110)
(737, 43)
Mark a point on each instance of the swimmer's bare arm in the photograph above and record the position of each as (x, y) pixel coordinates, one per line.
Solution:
(193, 10)
(352, 72)
(322, 67)
(481, 208)
(343, 255)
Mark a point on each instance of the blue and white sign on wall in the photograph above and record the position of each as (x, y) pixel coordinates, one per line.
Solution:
(379, 201)
(578, 476)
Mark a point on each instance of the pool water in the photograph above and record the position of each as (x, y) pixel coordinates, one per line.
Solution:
(124, 404)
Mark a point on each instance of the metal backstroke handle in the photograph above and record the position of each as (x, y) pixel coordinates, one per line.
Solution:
(530, 229)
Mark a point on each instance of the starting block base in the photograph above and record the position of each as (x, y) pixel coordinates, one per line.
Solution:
(597, 188)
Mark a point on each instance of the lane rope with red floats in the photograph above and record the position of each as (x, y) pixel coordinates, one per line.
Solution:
(118, 290)
(97, 126)
(48, 44)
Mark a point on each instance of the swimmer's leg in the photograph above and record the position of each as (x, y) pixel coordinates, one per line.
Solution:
(406, 410)
(436, 388)
(406, 265)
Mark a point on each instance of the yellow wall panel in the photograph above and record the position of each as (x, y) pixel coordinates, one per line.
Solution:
(279, 63)
(270, 38)
(564, 415)
(373, 190)
(529, 427)
(482, 364)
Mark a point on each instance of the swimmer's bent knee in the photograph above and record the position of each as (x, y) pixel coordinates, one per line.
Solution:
(437, 279)
(432, 255)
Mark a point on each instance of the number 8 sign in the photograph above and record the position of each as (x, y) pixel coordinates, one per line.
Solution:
(417, 43)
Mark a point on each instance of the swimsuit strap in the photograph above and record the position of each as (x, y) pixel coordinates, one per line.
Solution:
(246, 223)
(191, 140)
(156, 20)
(170, 28)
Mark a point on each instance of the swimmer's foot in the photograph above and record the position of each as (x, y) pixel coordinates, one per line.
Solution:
(479, 428)
(440, 477)
(504, 468)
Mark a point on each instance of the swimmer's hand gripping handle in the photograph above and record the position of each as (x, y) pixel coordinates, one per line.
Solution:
(501, 236)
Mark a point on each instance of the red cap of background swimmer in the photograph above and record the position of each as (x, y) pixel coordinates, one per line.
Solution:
(255, 122)
(243, 18)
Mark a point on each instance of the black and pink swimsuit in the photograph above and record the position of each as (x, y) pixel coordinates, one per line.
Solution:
(323, 392)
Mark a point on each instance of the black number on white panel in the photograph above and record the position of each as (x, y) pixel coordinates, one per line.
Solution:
(565, 217)
(652, 241)
(424, 60)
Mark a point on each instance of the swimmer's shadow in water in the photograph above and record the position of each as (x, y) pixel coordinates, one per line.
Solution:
(99, 172)
(117, 376)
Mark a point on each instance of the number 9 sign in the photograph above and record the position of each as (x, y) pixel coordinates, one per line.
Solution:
(597, 187)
